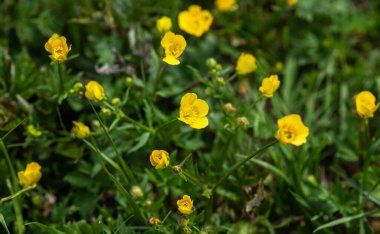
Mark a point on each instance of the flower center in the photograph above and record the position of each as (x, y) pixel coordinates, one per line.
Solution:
(288, 134)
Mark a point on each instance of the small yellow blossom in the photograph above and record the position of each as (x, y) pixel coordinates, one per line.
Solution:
(80, 130)
(195, 21)
(57, 47)
(366, 104)
(225, 5)
(31, 175)
(269, 86)
(242, 121)
(154, 221)
(94, 91)
(185, 205)
(136, 192)
(292, 2)
(174, 46)
(291, 130)
(193, 111)
(159, 159)
(246, 64)
(164, 24)
(33, 131)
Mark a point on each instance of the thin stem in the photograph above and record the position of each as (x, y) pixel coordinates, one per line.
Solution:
(166, 124)
(60, 119)
(192, 179)
(61, 83)
(158, 79)
(132, 121)
(125, 167)
(14, 187)
(17, 194)
(237, 165)
(233, 77)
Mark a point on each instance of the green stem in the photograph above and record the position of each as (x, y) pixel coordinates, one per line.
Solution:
(242, 162)
(192, 179)
(120, 187)
(125, 167)
(233, 77)
(61, 83)
(132, 121)
(4, 199)
(15, 187)
(158, 79)
(166, 124)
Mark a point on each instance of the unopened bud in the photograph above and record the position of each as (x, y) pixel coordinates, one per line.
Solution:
(128, 81)
(177, 169)
(105, 112)
(211, 62)
(220, 81)
(115, 101)
(242, 121)
(229, 108)
(154, 221)
(136, 192)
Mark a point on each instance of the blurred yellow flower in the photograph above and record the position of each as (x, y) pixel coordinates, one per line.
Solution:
(292, 2)
(225, 5)
(159, 159)
(291, 130)
(366, 104)
(31, 175)
(246, 64)
(185, 205)
(57, 47)
(193, 111)
(80, 130)
(195, 21)
(154, 221)
(33, 131)
(164, 24)
(174, 46)
(269, 86)
(94, 91)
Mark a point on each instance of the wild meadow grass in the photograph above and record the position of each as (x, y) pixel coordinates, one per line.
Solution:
(225, 116)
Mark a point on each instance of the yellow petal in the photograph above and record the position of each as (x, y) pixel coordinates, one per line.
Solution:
(201, 106)
(199, 123)
(188, 99)
(171, 60)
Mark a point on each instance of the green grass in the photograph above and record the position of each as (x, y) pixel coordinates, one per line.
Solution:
(329, 51)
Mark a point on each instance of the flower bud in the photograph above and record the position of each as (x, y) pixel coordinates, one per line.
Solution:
(115, 101)
(105, 112)
(154, 221)
(242, 121)
(177, 169)
(229, 108)
(136, 192)
(211, 62)
(220, 81)
(128, 81)
(218, 67)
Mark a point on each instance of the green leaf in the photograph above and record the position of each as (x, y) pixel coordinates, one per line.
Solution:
(343, 220)
(141, 141)
(45, 228)
(2, 221)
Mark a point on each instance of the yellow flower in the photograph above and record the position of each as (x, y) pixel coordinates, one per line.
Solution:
(269, 86)
(291, 130)
(33, 131)
(159, 159)
(225, 5)
(246, 64)
(292, 2)
(31, 175)
(193, 111)
(57, 47)
(164, 24)
(185, 205)
(81, 130)
(366, 104)
(195, 21)
(154, 221)
(94, 91)
(174, 46)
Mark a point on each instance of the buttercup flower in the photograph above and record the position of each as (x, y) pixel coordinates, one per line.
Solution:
(94, 91)
(193, 111)
(185, 205)
(164, 24)
(246, 64)
(269, 86)
(174, 46)
(291, 130)
(292, 2)
(365, 104)
(31, 175)
(80, 130)
(159, 159)
(225, 5)
(57, 47)
(195, 21)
